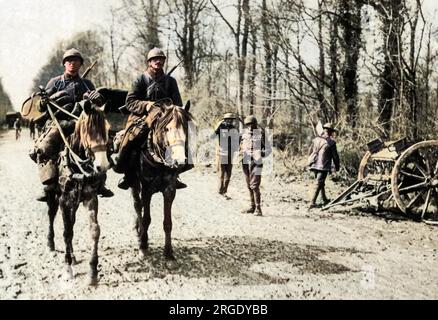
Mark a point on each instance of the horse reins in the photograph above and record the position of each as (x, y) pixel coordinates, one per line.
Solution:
(77, 159)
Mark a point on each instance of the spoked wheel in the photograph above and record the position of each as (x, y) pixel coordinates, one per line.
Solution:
(374, 168)
(414, 180)
(364, 166)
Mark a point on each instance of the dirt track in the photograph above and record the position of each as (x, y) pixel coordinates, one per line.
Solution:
(288, 253)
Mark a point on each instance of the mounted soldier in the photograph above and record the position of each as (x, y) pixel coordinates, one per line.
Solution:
(153, 87)
(66, 91)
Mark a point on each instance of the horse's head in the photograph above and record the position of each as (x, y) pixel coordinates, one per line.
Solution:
(91, 135)
(171, 135)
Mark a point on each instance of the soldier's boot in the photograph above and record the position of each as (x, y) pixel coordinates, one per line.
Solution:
(179, 184)
(44, 194)
(104, 192)
(252, 208)
(127, 181)
(226, 184)
(315, 196)
(129, 175)
(324, 198)
(258, 209)
(221, 184)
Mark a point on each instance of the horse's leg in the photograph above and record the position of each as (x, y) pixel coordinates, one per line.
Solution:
(53, 204)
(69, 203)
(91, 205)
(135, 191)
(68, 210)
(146, 197)
(168, 196)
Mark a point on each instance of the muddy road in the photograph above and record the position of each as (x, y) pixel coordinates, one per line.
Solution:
(289, 253)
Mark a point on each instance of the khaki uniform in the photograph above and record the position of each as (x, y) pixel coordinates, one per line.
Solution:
(323, 153)
(252, 149)
(65, 91)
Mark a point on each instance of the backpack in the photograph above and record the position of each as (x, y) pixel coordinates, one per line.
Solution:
(311, 160)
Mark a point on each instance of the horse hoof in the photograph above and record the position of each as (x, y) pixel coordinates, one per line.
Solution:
(68, 273)
(74, 261)
(144, 253)
(93, 282)
(51, 246)
(171, 264)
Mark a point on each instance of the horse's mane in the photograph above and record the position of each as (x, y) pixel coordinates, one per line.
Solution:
(91, 129)
(176, 113)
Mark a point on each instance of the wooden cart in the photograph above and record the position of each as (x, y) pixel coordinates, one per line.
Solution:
(397, 174)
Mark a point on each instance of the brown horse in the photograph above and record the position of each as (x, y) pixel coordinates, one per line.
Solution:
(80, 175)
(164, 155)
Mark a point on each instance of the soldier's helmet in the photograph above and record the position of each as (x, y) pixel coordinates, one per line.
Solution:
(250, 120)
(229, 115)
(71, 53)
(155, 52)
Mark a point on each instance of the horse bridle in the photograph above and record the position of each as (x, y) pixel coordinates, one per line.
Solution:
(153, 149)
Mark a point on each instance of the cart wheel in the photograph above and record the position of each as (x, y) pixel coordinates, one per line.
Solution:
(363, 168)
(375, 167)
(414, 180)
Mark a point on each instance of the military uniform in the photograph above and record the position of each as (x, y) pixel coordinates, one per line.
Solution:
(65, 90)
(146, 90)
(322, 153)
(253, 149)
(228, 145)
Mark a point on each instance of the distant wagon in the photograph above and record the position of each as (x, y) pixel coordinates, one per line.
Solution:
(11, 117)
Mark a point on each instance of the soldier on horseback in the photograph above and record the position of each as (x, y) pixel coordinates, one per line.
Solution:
(65, 90)
(150, 88)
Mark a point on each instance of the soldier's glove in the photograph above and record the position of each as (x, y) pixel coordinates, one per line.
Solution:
(43, 102)
(61, 98)
(149, 105)
(95, 97)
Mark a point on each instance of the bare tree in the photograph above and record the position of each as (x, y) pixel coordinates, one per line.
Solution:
(240, 34)
(143, 17)
(187, 16)
(350, 21)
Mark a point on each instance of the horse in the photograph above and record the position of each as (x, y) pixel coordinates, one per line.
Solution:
(79, 181)
(164, 155)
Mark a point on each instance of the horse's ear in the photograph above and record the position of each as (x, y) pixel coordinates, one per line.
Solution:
(86, 106)
(187, 106)
(102, 108)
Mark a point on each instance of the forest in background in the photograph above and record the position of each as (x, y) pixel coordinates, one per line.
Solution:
(368, 66)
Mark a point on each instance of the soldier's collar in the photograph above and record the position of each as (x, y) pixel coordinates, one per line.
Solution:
(69, 77)
(154, 75)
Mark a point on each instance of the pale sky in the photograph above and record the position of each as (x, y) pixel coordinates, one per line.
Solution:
(29, 30)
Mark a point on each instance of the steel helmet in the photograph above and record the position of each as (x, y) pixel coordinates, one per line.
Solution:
(229, 115)
(250, 119)
(155, 52)
(72, 53)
